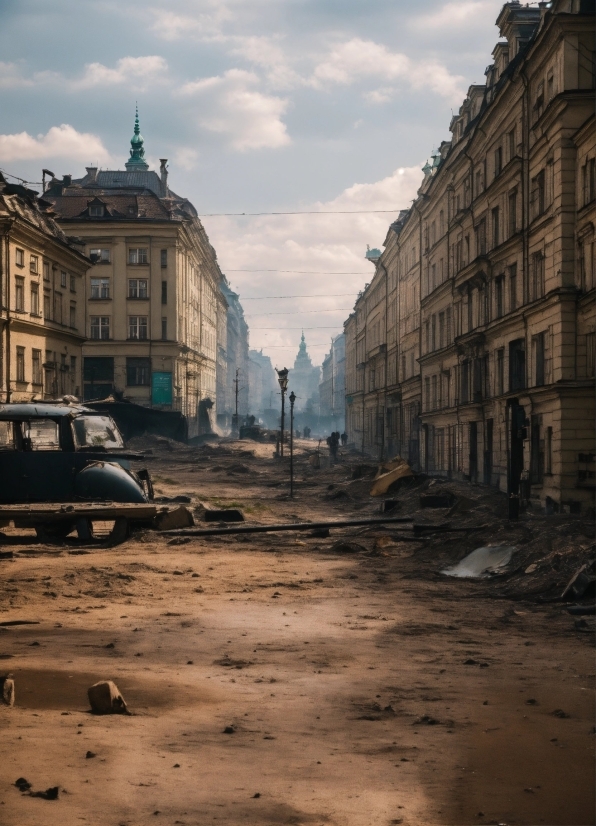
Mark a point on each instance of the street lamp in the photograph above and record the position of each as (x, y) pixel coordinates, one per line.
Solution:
(292, 400)
(282, 377)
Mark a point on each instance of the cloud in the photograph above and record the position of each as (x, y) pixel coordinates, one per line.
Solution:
(458, 16)
(59, 142)
(203, 25)
(319, 243)
(358, 60)
(186, 158)
(130, 70)
(232, 105)
(11, 76)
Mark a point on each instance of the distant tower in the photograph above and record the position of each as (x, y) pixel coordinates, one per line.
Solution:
(136, 162)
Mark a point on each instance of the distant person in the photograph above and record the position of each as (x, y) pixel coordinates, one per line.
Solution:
(344, 439)
(306, 432)
(333, 442)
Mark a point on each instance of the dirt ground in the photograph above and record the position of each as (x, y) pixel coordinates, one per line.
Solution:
(281, 679)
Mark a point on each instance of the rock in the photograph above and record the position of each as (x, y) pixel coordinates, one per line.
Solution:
(105, 698)
(230, 730)
(49, 794)
(7, 689)
(179, 517)
(562, 715)
(22, 784)
(344, 547)
(223, 515)
(90, 755)
(582, 583)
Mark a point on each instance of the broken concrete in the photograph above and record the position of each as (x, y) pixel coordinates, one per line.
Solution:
(105, 698)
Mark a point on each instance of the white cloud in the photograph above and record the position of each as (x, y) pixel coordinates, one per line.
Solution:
(59, 142)
(459, 16)
(359, 60)
(11, 76)
(317, 243)
(134, 71)
(186, 158)
(232, 105)
(203, 25)
(267, 54)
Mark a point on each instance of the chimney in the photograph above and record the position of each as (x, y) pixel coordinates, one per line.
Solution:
(163, 173)
(66, 180)
(91, 176)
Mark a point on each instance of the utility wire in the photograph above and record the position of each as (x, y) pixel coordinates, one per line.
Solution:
(317, 295)
(301, 312)
(332, 327)
(304, 272)
(305, 212)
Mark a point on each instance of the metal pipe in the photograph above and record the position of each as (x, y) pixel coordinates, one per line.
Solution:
(309, 526)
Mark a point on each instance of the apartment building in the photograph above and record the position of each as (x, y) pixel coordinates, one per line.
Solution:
(42, 315)
(332, 385)
(153, 296)
(495, 266)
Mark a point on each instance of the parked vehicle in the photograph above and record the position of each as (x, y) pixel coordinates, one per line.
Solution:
(65, 453)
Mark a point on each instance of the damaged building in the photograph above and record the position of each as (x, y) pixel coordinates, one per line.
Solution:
(154, 300)
(42, 315)
(472, 351)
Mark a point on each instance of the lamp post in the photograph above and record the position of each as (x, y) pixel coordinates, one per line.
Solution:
(292, 400)
(282, 377)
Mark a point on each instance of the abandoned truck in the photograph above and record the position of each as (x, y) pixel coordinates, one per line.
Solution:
(65, 453)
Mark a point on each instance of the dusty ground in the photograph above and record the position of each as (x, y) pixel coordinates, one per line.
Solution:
(358, 689)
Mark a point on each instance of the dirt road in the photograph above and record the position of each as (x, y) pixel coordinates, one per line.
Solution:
(275, 680)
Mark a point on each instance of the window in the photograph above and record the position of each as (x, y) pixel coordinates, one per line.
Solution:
(441, 223)
(539, 194)
(46, 270)
(499, 309)
(441, 330)
(72, 319)
(73, 364)
(36, 376)
(99, 256)
(512, 287)
(495, 224)
(47, 306)
(163, 258)
(500, 377)
(537, 275)
(58, 307)
(448, 325)
(20, 364)
(588, 181)
(498, 161)
(34, 299)
(427, 393)
(19, 294)
(100, 327)
(590, 355)
(63, 279)
(100, 288)
(427, 335)
(481, 238)
(98, 377)
(164, 329)
(512, 212)
(34, 264)
(73, 284)
(539, 372)
(550, 85)
(137, 327)
(511, 144)
(20, 258)
(138, 256)
(137, 288)
(433, 333)
(517, 364)
(479, 182)
(435, 398)
(465, 382)
(96, 211)
(138, 372)
(548, 450)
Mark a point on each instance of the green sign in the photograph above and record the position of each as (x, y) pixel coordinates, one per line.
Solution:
(161, 388)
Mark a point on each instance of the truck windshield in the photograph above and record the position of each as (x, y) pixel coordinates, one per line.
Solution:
(96, 431)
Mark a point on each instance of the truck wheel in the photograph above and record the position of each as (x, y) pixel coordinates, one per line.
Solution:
(119, 532)
(53, 531)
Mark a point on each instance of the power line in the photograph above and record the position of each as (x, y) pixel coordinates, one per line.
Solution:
(305, 212)
(302, 312)
(332, 327)
(303, 272)
(317, 295)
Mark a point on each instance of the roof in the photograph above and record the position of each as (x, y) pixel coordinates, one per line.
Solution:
(117, 179)
(23, 412)
(73, 203)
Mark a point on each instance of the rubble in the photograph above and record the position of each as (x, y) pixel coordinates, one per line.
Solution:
(7, 690)
(105, 698)
(483, 562)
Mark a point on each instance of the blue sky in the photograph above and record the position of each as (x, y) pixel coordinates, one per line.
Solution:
(260, 105)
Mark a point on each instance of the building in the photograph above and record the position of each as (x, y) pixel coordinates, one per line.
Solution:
(42, 315)
(153, 295)
(486, 284)
(304, 381)
(263, 387)
(236, 381)
(332, 385)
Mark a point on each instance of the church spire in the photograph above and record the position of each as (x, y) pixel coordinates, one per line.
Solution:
(137, 162)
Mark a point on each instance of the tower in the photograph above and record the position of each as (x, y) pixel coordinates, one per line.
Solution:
(137, 161)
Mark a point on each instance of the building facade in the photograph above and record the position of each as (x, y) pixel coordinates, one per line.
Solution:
(153, 296)
(304, 381)
(42, 315)
(263, 387)
(490, 372)
(332, 385)
(237, 373)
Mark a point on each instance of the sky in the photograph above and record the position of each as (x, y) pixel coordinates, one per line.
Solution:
(261, 106)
